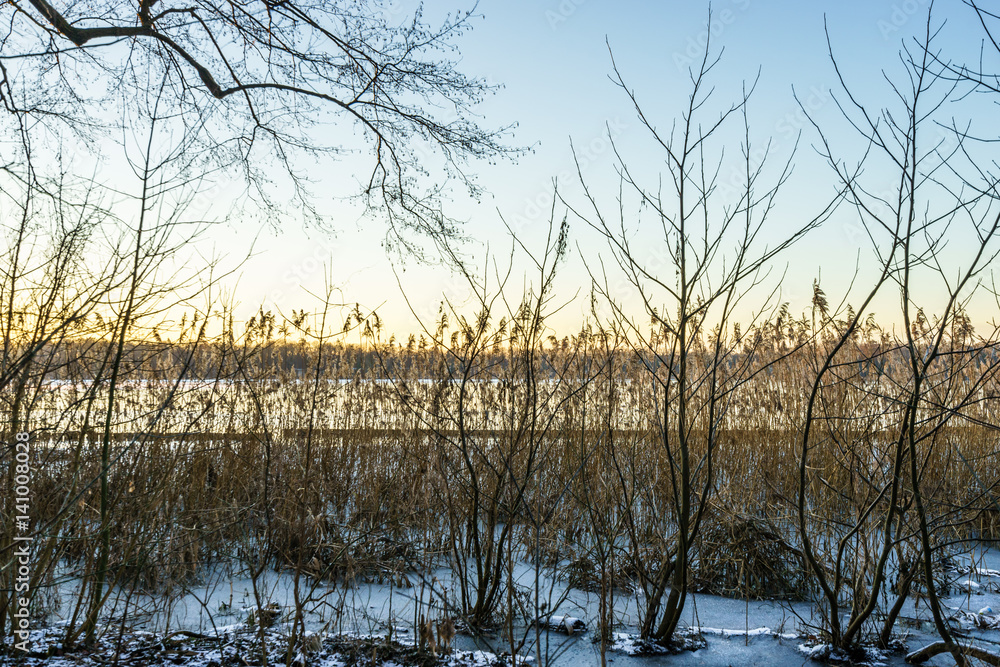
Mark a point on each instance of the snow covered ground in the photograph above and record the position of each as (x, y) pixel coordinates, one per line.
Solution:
(208, 625)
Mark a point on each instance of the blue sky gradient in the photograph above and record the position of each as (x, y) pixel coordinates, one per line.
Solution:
(553, 60)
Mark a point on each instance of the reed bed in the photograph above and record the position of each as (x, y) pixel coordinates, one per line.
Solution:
(382, 462)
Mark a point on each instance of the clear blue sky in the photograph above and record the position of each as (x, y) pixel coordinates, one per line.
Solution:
(552, 58)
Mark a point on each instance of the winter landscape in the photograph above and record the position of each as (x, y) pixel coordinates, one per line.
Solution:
(316, 352)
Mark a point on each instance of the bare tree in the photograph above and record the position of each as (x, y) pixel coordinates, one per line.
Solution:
(49, 296)
(977, 74)
(257, 81)
(890, 525)
(711, 256)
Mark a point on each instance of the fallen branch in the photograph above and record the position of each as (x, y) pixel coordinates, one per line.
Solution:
(928, 652)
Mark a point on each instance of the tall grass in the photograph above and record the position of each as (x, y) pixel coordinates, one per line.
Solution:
(378, 462)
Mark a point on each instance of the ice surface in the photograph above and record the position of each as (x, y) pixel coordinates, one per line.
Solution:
(724, 631)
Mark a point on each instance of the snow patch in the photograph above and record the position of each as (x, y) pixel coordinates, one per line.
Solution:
(569, 625)
(754, 632)
(864, 656)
